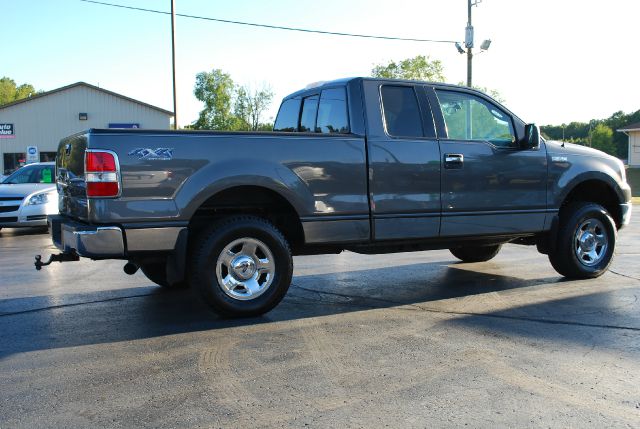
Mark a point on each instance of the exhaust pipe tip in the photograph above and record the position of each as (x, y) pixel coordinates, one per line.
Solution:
(130, 268)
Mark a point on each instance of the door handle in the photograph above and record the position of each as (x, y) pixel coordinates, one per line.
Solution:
(453, 160)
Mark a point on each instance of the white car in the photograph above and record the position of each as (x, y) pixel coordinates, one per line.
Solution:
(28, 195)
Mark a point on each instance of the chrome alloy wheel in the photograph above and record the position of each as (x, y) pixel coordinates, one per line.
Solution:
(245, 269)
(591, 242)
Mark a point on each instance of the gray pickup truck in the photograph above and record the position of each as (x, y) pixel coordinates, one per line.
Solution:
(366, 165)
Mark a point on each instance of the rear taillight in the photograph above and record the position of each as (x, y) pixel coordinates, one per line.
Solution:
(101, 174)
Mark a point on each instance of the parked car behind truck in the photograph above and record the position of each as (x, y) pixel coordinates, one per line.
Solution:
(28, 195)
(367, 165)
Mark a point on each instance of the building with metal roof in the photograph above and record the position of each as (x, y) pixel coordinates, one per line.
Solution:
(31, 128)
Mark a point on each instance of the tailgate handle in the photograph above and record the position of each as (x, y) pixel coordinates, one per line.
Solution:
(453, 160)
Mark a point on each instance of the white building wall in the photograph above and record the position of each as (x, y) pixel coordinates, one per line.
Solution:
(634, 148)
(44, 121)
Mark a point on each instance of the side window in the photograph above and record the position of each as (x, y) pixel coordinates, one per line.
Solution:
(309, 113)
(332, 112)
(288, 114)
(468, 117)
(401, 112)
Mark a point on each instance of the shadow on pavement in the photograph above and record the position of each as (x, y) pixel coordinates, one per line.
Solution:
(17, 232)
(48, 322)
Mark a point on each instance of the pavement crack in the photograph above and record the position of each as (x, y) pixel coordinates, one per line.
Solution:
(416, 307)
(624, 275)
(74, 304)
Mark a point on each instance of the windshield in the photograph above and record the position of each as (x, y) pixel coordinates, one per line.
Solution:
(31, 174)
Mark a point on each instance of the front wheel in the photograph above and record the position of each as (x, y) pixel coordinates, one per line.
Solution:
(242, 266)
(475, 253)
(586, 241)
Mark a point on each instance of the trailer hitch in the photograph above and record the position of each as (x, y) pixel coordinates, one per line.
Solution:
(61, 257)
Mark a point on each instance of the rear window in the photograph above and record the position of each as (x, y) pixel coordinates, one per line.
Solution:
(324, 113)
(288, 115)
(401, 111)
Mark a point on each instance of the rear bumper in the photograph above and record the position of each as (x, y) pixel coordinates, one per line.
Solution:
(89, 241)
(110, 241)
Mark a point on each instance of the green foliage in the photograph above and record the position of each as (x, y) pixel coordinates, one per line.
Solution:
(250, 105)
(582, 132)
(10, 91)
(417, 68)
(602, 139)
(215, 89)
(229, 107)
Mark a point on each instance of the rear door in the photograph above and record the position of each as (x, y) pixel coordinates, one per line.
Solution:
(404, 161)
(489, 185)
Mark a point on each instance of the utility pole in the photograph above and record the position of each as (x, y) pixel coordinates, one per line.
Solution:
(468, 42)
(173, 63)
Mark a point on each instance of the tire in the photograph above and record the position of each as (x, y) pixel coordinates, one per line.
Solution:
(157, 273)
(585, 243)
(241, 266)
(476, 253)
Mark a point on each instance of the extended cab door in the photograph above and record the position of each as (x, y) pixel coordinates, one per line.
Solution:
(404, 161)
(489, 185)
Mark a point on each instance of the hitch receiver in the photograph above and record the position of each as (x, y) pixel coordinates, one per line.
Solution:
(61, 257)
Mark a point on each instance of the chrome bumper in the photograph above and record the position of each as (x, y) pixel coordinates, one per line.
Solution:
(86, 240)
(109, 242)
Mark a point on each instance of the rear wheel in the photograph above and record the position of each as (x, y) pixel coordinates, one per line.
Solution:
(585, 243)
(242, 266)
(476, 253)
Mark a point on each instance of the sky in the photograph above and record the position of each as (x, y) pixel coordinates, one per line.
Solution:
(552, 61)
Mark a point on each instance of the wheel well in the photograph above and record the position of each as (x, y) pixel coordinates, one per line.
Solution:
(599, 192)
(253, 200)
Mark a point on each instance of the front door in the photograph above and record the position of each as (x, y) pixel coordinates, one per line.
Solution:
(489, 185)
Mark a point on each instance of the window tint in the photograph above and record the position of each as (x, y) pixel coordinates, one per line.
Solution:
(332, 112)
(288, 114)
(309, 113)
(471, 118)
(401, 112)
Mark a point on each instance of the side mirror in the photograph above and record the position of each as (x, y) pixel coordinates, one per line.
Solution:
(531, 138)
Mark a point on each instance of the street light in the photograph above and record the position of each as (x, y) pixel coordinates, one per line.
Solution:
(468, 41)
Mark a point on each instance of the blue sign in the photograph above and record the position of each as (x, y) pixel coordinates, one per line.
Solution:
(123, 125)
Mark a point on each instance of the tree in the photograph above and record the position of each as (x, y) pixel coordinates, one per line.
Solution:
(10, 91)
(417, 68)
(251, 104)
(602, 139)
(216, 90)
(228, 106)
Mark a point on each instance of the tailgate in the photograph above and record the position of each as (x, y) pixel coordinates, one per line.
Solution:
(70, 176)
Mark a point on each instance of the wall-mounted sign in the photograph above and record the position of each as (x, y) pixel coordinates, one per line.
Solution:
(123, 125)
(32, 154)
(7, 131)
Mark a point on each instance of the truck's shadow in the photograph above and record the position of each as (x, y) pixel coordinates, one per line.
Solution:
(43, 323)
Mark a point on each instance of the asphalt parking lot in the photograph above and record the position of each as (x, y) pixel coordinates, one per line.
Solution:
(403, 340)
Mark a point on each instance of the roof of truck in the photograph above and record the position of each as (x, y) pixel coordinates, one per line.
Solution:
(344, 81)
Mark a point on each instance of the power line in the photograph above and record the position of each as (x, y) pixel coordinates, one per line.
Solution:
(274, 27)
